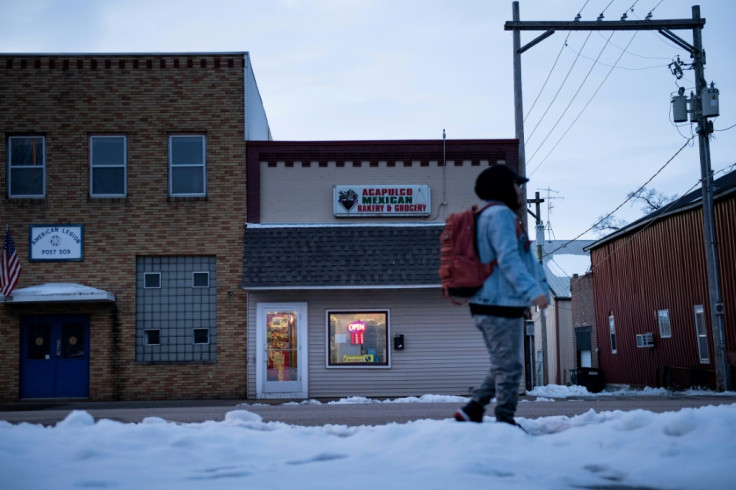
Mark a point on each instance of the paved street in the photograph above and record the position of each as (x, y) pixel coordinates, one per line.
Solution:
(49, 413)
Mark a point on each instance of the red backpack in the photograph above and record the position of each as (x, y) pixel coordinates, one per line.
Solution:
(461, 272)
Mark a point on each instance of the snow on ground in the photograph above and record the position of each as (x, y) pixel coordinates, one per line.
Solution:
(691, 448)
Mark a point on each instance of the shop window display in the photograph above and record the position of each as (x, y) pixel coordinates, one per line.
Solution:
(358, 338)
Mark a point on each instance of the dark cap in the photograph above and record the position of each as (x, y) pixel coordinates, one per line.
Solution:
(497, 183)
(502, 172)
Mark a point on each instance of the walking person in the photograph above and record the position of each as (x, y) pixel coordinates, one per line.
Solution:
(499, 307)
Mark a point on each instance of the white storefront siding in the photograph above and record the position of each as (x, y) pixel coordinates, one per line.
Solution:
(444, 353)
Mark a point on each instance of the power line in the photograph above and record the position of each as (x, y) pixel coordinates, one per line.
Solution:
(581, 110)
(558, 90)
(630, 197)
(562, 48)
(571, 101)
(650, 67)
(641, 230)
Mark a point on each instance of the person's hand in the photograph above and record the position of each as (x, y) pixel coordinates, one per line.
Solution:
(540, 301)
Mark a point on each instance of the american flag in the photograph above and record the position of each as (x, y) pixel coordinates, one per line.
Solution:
(9, 266)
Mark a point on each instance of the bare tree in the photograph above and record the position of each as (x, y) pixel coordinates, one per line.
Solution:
(652, 199)
(608, 224)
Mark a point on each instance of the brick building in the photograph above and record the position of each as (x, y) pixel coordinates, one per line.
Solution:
(583, 321)
(124, 189)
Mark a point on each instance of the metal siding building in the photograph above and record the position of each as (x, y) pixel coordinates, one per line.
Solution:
(303, 262)
(658, 263)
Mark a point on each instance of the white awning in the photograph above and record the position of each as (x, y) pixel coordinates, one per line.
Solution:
(58, 292)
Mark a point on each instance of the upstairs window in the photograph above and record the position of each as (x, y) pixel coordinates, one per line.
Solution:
(665, 328)
(187, 166)
(701, 330)
(108, 166)
(27, 166)
(612, 331)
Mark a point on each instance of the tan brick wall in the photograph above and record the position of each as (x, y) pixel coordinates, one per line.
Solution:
(147, 98)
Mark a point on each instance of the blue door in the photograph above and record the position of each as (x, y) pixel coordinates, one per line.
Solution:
(54, 357)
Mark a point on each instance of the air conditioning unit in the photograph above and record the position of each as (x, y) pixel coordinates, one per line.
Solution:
(644, 340)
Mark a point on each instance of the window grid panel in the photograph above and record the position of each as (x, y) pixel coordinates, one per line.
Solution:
(177, 310)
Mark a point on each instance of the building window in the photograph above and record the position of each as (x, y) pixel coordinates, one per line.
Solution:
(663, 318)
(200, 279)
(612, 329)
(153, 337)
(201, 335)
(358, 338)
(701, 331)
(27, 166)
(108, 166)
(152, 280)
(185, 317)
(187, 166)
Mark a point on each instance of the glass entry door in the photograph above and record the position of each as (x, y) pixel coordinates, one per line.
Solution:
(282, 345)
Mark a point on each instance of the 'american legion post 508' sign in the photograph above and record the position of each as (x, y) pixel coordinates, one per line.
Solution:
(355, 201)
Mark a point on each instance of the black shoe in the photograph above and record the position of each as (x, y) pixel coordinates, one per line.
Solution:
(510, 421)
(472, 412)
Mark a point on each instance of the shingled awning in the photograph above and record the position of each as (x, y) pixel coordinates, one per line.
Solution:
(341, 256)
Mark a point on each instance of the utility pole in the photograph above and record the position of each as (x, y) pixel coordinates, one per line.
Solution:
(543, 316)
(665, 28)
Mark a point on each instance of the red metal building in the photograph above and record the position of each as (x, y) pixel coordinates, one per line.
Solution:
(651, 294)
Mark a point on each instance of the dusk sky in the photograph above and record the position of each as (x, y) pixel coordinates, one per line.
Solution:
(598, 122)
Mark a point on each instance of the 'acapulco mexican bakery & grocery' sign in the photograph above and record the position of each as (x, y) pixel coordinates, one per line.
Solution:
(355, 201)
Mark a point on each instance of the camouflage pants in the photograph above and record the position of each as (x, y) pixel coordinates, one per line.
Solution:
(503, 338)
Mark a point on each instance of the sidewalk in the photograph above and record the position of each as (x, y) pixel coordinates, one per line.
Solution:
(324, 412)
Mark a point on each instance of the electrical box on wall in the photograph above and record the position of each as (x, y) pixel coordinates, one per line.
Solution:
(399, 342)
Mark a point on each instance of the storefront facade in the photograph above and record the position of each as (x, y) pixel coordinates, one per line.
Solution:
(340, 266)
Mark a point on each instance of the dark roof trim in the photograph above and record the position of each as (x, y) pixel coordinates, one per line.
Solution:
(723, 187)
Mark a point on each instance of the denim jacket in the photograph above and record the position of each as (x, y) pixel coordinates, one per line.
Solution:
(518, 277)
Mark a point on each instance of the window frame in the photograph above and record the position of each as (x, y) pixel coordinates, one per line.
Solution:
(194, 282)
(194, 335)
(152, 274)
(147, 336)
(357, 365)
(612, 333)
(175, 166)
(93, 166)
(701, 334)
(665, 332)
(11, 167)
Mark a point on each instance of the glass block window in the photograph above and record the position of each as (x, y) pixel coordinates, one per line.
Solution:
(184, 316)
